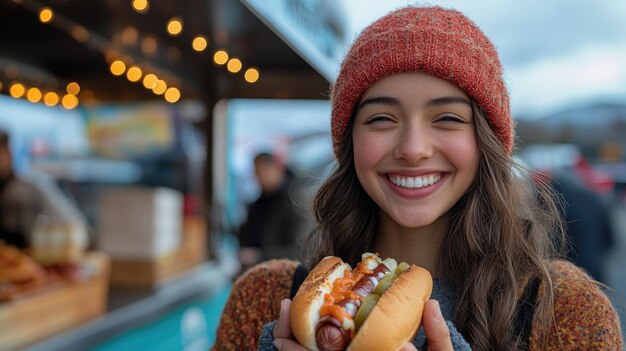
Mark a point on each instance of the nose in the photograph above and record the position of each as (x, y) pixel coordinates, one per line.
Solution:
(414, 144)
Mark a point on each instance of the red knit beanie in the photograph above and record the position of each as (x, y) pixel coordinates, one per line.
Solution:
(432, 40)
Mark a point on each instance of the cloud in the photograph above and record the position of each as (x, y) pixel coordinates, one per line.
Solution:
(591, 73)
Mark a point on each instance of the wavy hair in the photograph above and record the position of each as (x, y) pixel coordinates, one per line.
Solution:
(503, 232)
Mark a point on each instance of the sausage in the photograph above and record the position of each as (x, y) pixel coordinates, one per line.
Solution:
(330, 335)
(366, 284)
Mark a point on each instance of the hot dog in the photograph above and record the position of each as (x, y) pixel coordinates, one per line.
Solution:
(376, 306)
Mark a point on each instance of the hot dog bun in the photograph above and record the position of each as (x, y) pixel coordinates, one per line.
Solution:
(394, 320)
(398, 314)
(310, 297)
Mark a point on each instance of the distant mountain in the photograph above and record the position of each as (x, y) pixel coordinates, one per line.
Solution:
(591, 127)
(592, 115)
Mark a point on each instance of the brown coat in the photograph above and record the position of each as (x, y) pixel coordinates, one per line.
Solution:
(584, 316)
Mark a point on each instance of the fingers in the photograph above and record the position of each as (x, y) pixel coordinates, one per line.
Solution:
(408, 347)
(288, 345)
(282, 329)
(435, 327)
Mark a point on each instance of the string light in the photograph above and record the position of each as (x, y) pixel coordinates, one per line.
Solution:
(251, 75)
(172, 95)
(33, 94)
(134, 74)
(175, 26)
(73, 88)
(150, 81)
(69, 101)
(199, 43)
(51, 98)
(234, 65)
(46, 15)
(160, 87)
(141, 6)
(220, 57)
(17, 90)
(118, 67)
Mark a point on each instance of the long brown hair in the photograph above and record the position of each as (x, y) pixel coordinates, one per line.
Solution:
(502, 234)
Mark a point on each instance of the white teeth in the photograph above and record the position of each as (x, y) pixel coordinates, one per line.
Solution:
(410, 182)
(419, 182)
(415, 182)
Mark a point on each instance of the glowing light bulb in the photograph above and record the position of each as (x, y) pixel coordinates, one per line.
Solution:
(251, 75)
(73, 88)
(51, 98)
(46, 15)
(199, 43)
(175, 26)
(134, 73)
(220, 57)
(233, 65)
(17, 90)
(33, 95)
(160, 87)
(118, 67)
(150, 81)
(141, 6)
(172, 95)
(69, 101)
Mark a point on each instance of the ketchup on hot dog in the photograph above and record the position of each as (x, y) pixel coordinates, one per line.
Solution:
(336, 326)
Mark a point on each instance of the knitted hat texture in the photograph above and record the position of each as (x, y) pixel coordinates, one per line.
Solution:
(432, 40)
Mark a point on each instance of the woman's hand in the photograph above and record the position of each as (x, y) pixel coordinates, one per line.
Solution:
(435, 327)
(283, 337)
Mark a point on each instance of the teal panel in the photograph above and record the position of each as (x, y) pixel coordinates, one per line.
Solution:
(190, 327)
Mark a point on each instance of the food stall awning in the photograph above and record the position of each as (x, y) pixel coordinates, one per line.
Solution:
(83, 38)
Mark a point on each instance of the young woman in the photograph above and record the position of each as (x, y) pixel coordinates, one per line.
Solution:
(423, 137)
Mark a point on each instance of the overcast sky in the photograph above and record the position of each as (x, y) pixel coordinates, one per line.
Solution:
(554, 53)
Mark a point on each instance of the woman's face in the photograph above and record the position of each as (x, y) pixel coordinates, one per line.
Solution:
(415, 149)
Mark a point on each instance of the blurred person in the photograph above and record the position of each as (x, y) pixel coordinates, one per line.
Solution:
(274, 223)
(589, 227)
(27, 200)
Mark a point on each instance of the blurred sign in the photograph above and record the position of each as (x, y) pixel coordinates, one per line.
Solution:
(312, 28)
(126, 131)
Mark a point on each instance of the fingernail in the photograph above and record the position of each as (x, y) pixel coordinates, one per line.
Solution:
(277, 343)
(437, 312)
(283, 306)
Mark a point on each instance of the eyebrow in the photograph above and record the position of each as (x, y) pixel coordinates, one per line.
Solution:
(390, 101)
(380, 100)
(448, 100)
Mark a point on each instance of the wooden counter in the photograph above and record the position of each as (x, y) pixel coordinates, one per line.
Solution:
(56, 308)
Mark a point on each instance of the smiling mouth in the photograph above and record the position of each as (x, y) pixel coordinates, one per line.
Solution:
(414, 182)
